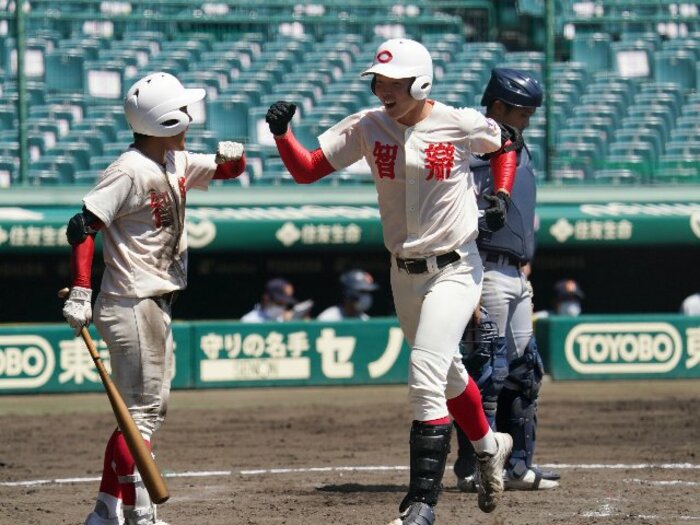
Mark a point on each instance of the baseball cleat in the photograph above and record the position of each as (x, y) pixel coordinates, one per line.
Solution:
(532, 480)
(95, 519)
(490, 473)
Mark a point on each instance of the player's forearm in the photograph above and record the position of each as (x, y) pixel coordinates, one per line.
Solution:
(231, 169)
(304, 165)
(503, 168)
(81, 262)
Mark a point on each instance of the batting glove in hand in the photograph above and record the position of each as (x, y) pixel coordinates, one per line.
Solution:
(279, 116)
(228, 151)
(495, 214)
(78, 308)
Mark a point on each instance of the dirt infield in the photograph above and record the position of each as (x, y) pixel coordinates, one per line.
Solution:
(628, 453)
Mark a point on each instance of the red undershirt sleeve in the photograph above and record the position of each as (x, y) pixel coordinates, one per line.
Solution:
(304, 165)
(503, 168)
(231, 169)
(81, 262)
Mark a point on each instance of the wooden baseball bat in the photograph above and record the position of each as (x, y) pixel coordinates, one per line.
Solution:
(152, 479)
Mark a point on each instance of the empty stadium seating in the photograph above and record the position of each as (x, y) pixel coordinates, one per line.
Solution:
(624, 102)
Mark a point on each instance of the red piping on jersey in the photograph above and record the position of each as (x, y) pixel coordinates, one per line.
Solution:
(304, 165)
(231, 169)
(503, 168)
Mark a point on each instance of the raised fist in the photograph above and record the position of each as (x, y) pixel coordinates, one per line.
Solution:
(279, 115)
(228, 151)
(495, 214)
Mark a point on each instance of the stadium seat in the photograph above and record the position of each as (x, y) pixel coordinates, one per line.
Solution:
(8, 117)
(650, 136)
(592, 50)
(586, 136)
(89, 137)
(615, 177)
(228, 116)
(100, 163)
(106, 127)
(634, 163)
(667, 100)
(633, 59)
(684, 148)
(643, 149)
(64, 70)
(85, 177)
(61, 166)
(104, 81)
(79, 152)
(677, 67)
(677, 169)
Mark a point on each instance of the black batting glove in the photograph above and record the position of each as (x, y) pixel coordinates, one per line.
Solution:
(279, 115)
(495, 214)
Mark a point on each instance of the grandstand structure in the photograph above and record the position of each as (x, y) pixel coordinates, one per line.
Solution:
(623, 82)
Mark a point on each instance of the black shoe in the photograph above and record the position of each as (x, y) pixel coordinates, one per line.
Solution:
(417, 513)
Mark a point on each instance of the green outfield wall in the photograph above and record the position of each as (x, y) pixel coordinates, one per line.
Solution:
(47, 358)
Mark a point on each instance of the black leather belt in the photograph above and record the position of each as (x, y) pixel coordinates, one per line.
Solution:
(421, 265)
(503, 258)
(167, 298)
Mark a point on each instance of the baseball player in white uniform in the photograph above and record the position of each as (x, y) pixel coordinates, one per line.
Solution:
(138, 204)
(418, 150)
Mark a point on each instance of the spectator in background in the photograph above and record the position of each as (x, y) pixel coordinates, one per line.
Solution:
(566, 301)
(357, 289)
(278, 303)
(691, 305)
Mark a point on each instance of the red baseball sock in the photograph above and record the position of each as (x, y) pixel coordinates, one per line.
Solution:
(467, 411)
(126, 467)
(442, 421)
(110, 483)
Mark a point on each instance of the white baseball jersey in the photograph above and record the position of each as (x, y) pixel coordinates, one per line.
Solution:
(427, 201)
(142, 206)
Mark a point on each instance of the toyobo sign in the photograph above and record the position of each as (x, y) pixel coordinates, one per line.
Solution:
(597, 347)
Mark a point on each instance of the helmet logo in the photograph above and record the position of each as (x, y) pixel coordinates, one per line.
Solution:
(384, 56)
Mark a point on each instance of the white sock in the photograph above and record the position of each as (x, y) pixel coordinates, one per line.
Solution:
(487, 445)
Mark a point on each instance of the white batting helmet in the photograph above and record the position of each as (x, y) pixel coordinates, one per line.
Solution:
(152, 105)
(404, 58)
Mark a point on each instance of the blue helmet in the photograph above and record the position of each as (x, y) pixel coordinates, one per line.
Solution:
(513, 87)
(356, 282)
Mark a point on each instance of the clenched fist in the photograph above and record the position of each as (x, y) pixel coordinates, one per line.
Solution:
(228, 151)
(279, 115)
(495, 214)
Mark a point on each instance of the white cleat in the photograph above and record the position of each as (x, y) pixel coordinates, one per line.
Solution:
(530, 481)
(95, 519)
(490, 473)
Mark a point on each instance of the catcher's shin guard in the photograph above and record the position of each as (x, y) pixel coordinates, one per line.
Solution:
(430, 445)
(517, 408)
(519, 419)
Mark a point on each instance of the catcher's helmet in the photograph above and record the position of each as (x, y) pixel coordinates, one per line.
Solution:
(481, 334)
(513, 87)
(152, 105)
(356, 282)
(404, 58)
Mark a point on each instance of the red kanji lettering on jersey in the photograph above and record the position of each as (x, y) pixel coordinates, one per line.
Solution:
(161, 206)
(439, 159)
(183, 189)
(385, 159)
